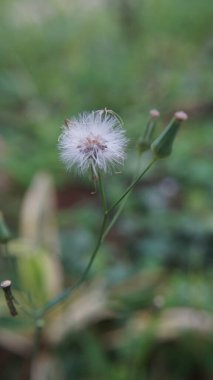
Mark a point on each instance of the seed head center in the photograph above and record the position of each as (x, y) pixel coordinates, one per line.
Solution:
(92, 145)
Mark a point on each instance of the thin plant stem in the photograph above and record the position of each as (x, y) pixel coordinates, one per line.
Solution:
(115, 217)
(132, 186)
(124, 199)
(102, 192)
(37, 337)
(63, 296)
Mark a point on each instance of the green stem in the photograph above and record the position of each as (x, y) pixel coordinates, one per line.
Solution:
(37, 337)
(132, 185)
(63, 296)
(124, 198)
(102, 192)
(115, 217)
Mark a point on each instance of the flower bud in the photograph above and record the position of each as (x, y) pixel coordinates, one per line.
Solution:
(5, 235)
(162, 145)
(145, 141)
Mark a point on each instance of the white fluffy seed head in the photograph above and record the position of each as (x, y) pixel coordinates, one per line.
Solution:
(93, 140)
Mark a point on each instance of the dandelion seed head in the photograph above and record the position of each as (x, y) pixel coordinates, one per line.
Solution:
(93, 140)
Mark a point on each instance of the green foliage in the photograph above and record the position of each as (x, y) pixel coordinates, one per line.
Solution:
(130, 56)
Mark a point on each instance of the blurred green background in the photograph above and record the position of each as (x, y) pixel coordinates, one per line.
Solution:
(154, 272)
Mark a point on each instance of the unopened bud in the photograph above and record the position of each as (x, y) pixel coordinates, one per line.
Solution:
(5, 235)
(145, 141)
(181, 115)
(154, 113)
(162, 146)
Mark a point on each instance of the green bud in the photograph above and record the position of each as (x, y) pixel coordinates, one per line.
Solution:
(162, 145)
(145, 141)
(5, 235)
